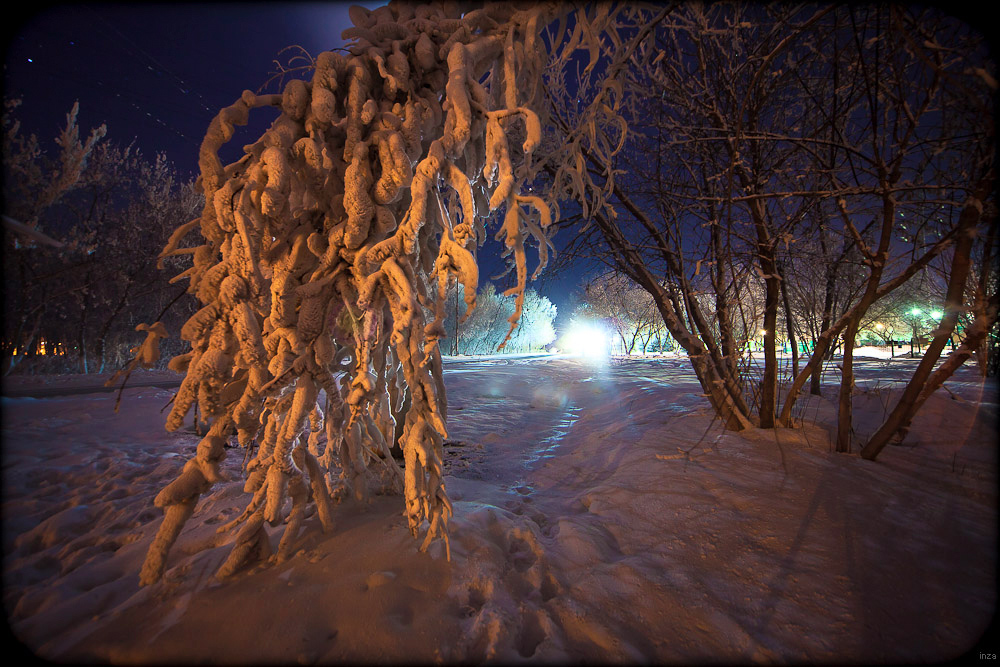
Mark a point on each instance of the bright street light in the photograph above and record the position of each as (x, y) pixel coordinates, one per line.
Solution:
(587, 340)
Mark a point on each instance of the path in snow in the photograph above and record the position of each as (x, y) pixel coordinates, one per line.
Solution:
(644, 531)
(528, 479)
(601, 515)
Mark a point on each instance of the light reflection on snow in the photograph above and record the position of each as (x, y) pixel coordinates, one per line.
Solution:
(577, 489)
(546, 448)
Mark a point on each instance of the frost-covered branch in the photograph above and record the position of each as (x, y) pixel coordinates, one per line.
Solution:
(326, 252)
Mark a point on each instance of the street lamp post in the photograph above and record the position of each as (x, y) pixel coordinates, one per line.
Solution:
(913, 323)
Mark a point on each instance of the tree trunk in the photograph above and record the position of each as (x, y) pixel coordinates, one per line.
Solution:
(11, 362)
(823, 343)
(722, 299)
(769, 383)
(982, 352)
(902, 414)
(793, 345)
(975, 336)
(102, 344)
(831, 284)
(772, 286)
(877, 262)
(845, 404)
(721, 391)
(81, 341)
(715, 390)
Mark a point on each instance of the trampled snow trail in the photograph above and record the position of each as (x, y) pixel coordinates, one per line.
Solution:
(544, 490)
(601, 515)
(645, 531)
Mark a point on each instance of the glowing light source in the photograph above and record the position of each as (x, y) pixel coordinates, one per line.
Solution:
(587, 339)
(879, 326)
(936, 314)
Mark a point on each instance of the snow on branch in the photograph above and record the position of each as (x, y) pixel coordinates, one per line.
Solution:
(319, 249)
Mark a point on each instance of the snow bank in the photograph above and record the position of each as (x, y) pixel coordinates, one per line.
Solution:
(19, 384)
(600, 515)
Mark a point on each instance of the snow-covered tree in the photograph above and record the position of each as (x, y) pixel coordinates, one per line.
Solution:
(482, 330)
(535, 329)
(322, 248)
(33, 184)
(111, 209)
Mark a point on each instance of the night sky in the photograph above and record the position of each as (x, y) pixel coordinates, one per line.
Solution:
(158, 74)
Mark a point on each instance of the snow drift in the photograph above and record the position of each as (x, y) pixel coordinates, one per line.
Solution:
(601, 514)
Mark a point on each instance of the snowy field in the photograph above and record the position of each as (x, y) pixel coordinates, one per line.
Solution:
(601, 515)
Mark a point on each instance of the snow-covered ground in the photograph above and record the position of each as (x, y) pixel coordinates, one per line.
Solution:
(601, 515)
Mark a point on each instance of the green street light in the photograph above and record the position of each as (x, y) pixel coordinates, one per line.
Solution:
(936, 314)
(915, 311)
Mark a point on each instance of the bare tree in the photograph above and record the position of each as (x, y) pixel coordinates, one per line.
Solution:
(774, 129)
(629, 308)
